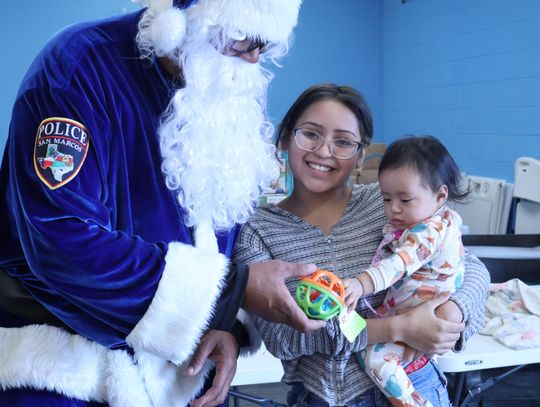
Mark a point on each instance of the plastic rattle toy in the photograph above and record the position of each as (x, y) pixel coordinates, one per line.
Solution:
(321, 295)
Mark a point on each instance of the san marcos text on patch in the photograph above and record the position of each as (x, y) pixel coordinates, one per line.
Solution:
(60, 150)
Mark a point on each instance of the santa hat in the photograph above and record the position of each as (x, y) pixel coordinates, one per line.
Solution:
(267, 20)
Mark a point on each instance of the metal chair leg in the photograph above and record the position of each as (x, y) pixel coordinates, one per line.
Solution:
(257, 400)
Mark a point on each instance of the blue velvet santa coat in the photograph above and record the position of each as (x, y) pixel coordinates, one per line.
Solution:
(89, 228)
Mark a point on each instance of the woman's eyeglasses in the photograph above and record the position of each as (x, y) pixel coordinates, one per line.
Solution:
(310, 140)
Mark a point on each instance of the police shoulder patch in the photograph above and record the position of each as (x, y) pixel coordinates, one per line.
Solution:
(60, 150)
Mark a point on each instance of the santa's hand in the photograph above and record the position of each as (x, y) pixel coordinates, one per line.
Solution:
(222, 348)
(267, 295)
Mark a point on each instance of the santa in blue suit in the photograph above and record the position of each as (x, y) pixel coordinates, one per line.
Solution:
(137, 146)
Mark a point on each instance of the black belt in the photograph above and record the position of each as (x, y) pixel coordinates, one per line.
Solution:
(15, 299)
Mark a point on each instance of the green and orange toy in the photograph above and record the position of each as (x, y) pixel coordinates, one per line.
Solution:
(321, 295)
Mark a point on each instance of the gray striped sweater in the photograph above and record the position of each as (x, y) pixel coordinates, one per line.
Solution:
(324, 360)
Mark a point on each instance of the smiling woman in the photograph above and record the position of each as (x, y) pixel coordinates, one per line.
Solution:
(330, 126)
(313, 158)
(337, 226)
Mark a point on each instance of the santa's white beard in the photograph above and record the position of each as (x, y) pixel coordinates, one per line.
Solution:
(215, 140)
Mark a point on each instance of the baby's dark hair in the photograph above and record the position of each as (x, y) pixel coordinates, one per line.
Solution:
(430, 159)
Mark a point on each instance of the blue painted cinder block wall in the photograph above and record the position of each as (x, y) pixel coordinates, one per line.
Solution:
(26, 27)
(334, 42)
(467, 71)
(338, 41)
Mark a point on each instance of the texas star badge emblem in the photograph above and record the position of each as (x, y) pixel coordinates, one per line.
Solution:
(60, 150)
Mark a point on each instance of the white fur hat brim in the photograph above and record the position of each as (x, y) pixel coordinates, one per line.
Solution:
(268, 20)
(168, 30)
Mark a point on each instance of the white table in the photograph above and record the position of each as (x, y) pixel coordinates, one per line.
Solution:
(506, 252)
(484, 352)
(259, 368)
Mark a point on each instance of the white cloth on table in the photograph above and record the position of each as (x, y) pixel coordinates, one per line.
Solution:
(513, 314)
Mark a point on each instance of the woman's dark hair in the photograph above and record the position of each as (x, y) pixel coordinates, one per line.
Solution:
(430, 159)
(348, 96)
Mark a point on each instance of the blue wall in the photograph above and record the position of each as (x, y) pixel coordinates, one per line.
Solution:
(338, 41)
(339, 44)
(27, 26)
(467, 71)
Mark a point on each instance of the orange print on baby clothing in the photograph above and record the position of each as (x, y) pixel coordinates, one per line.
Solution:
(405, 257)
(446, 265)
(447, 217)
(425, 292)
(423, 252)
(419, 276)
(437, 226)
(410, 241)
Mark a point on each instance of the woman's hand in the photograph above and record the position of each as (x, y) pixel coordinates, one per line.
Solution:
(419, 328)
(422, 330)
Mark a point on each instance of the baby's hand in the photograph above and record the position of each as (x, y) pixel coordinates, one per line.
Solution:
(353, 291)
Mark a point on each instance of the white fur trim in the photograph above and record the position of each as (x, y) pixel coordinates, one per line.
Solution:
(270, 20)
(167, 30)
(123, 384)
(168, 384)
(183, 303)
(255, 339)
(48, 358)
(205, 237)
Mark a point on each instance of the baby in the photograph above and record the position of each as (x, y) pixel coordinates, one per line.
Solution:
(421, 253)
